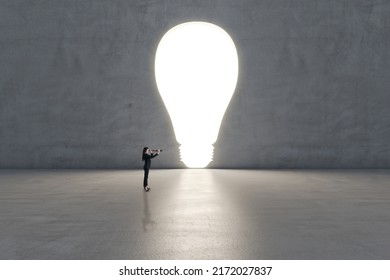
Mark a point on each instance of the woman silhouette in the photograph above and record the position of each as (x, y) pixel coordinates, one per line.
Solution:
(147, 156)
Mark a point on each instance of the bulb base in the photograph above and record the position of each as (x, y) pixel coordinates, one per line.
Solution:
(196, 156)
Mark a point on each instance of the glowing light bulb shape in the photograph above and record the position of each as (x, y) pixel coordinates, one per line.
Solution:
(196, 70)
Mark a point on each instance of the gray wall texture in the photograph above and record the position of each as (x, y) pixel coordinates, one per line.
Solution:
(77, 87)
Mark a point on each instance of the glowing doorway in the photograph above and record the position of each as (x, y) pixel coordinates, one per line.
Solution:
(196, 72)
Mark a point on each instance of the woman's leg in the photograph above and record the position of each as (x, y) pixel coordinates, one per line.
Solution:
(146, 175)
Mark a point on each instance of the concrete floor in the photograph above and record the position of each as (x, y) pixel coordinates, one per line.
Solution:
(195, 214)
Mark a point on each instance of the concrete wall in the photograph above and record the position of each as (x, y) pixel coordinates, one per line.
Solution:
(77, 86)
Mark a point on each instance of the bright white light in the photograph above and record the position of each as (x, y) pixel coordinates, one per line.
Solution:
(196, 73)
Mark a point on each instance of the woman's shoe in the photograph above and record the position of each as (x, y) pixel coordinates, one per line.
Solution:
(146, 188)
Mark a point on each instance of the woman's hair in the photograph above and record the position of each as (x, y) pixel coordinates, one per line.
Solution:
(143, 153)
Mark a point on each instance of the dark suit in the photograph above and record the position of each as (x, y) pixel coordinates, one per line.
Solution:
(148, 161)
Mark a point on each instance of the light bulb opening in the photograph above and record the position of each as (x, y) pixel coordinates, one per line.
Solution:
(196, 70)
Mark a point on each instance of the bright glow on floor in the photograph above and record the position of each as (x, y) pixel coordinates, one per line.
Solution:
(196, 73)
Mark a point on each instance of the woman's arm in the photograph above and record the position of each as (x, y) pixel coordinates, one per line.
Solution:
(154, 155)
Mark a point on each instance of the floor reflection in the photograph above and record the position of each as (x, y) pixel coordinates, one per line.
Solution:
(201, 218)
(147, 222)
